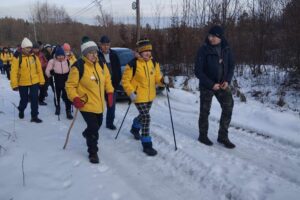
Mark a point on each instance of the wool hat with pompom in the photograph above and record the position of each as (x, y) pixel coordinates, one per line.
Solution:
(87, 45)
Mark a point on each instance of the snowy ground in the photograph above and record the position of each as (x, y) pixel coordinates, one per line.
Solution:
(265, 164)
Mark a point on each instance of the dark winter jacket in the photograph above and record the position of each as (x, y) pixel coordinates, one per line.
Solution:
(115, 67)
(207, 64)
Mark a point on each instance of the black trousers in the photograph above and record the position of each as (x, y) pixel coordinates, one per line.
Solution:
(94, 122)
(226, 101)
(44, 88)
(7, 70)
(60, 80)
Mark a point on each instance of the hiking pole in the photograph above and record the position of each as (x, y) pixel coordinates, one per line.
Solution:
(69, 131)
(75, 116)
(168, 90)
(129, 104)
(55, 96)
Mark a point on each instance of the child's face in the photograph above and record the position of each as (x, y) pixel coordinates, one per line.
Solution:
(146, 55)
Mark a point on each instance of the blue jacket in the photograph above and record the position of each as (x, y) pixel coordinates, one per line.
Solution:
(207, 64)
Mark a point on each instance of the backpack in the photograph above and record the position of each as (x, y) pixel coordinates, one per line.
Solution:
(79, 64)
(20, 60)
(132, 64)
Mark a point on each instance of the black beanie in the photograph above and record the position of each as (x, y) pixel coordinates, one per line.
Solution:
(216, 31)
(104, 39)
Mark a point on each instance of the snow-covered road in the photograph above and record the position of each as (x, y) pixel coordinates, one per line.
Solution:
(259, 168)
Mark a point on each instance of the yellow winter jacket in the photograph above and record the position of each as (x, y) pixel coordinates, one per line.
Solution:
(28, 73)
(91, 87)
(6, 57)
(72, 59)
(144, 81)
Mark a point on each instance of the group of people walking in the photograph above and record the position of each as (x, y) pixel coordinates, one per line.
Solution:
(89, 84)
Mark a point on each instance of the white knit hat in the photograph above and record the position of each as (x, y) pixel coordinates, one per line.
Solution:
(26, 43)
(88, 46)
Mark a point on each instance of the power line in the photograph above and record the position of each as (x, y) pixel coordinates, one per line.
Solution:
(83, 10)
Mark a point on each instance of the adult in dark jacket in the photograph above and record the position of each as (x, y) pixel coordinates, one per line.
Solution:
(108, 56)
(214, 68)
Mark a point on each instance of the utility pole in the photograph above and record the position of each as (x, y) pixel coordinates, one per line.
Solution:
(138, 18)
(136, 6)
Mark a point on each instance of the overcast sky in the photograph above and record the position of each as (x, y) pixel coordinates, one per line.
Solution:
(120, 9)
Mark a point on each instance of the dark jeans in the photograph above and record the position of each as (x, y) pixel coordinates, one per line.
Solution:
(44, 89)
(226, 101)
(7, 70)
(31, 92)
(110, 113)
(94, 122)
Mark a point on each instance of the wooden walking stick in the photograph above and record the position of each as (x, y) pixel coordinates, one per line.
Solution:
(71, 126)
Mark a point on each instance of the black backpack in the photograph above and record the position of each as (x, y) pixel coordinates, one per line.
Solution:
(20, 60)
(79, 64)
(132, 64)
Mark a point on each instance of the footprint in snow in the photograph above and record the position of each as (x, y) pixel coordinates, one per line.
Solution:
(102, 168)
(76, 163)
(67, 184)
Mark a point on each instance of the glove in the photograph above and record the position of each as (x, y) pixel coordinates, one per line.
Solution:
(78, 103)
(166, 80)
(16, 89)
(52, 72)
(110, 99)
(132, 96)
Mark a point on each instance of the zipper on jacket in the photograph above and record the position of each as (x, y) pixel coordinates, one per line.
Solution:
(29, 69)
(62, 70)
(148, 81)
(98, 83)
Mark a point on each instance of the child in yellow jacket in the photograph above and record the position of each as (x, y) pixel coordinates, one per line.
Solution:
(139, 81)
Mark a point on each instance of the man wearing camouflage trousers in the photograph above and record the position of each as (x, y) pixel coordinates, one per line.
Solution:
(214, 68)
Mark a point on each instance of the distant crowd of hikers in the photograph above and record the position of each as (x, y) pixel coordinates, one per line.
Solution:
(89, 82)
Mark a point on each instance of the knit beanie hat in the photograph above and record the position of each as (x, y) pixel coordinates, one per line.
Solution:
(26, 43)
(35, 46)
(66, 47)
(87, 46)
(144, 45)
(216, 31)
(59, 52)
(104, 39)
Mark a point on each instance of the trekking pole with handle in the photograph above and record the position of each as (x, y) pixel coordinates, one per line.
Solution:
(129, 104)
(72, 123)
(168, 90)
(55, 95)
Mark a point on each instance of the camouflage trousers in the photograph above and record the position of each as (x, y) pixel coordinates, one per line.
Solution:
(225, 99)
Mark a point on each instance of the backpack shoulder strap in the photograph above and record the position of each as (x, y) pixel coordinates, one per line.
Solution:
(20, 59)
(79, 64)
(132, 64)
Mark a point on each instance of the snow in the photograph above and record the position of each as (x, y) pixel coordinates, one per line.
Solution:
(264, 165)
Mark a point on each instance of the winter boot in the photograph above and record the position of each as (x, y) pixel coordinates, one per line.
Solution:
(135, 129)
(57, 110)
(111, 127)
(69, 115)
(147, 146)
(21, 114)
(36, 120)
(205, 140)
(226, 142)
(42, 103)
(93, 157)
